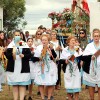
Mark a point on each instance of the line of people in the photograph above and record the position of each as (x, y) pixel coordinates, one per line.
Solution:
(39, 61)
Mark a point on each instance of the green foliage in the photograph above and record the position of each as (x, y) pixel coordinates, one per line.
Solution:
(13, 11)
(24, 23)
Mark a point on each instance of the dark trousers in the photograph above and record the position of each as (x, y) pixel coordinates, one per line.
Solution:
(63, 67)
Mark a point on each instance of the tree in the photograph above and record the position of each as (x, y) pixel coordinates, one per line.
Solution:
(13, 12)
(24, 24)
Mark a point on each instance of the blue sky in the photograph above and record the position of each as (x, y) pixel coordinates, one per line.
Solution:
(37, 11)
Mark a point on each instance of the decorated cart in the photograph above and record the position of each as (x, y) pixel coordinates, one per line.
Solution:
(70, 21)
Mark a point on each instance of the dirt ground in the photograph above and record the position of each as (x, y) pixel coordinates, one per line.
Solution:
(61, 94)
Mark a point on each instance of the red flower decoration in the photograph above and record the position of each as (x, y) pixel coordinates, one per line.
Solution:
(52, 15)
(20, 43)
(32, 49)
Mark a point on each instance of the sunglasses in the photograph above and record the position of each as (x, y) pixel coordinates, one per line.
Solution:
(81, 32)
(39, 34)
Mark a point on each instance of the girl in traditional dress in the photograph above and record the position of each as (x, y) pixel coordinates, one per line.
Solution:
(91, 75)
(46, 69)
(72, 76)
(32, 72)
(18, 70)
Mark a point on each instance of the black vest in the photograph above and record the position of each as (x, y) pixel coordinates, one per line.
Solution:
(25, 60)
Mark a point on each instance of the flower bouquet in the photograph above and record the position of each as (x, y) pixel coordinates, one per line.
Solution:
(22, 43)
(52, 15)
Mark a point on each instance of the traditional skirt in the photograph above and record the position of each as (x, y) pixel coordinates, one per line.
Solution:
(49, 77)
(32, 70)
(72, 79)
(16, 77)
(93, 77)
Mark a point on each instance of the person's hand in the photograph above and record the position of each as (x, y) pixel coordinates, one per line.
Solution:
(21, 55)
(93, 57)
(51, 46)
(58, 48)
(81, 63)
(5, 48)
(66, 61)
(32, 52)
(40, 58)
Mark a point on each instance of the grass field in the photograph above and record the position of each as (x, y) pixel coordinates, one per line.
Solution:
(58, 94)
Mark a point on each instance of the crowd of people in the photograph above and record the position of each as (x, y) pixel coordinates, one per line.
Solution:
(26, 60)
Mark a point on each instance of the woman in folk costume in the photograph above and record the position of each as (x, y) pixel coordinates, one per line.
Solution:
(46, 69)
(58, 49)
(3, 44)
(91, 57)
(72, 76)
(18, 70)
(37, 42)
(32, 66)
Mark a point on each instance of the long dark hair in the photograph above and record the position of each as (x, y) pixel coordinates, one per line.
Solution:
(23, 36)
(3, 41)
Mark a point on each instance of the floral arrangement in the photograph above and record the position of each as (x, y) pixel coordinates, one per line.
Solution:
(52, 15)
(58, 16)
(22, 43)
(65, 19)
(67, 14)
